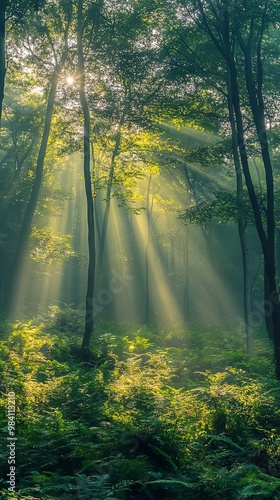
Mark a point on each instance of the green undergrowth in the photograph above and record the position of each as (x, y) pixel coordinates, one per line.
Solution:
(151, 415)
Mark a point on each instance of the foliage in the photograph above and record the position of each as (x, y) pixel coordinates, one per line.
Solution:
(222, 208)
(136, 418)
(50, 246)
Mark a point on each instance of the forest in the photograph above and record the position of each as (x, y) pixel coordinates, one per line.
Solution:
(139, 249)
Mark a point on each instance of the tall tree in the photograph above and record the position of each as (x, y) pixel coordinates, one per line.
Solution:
(3, 7)
(89, 315)
(59, 61)
(241, 222)
(238, 36)
(126, 73)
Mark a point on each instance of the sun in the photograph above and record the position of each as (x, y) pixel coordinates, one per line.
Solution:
(70, 80)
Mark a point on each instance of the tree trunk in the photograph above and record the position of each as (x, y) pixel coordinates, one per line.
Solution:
(22, 245)
(241, 222)
(147, 267)
(96, 208)
(108, 201)
(246, 286)
(89, 315)
(186, 293)
(3, 6)
(267, 300)
(267, 240)
(222, 38)
(254, 91)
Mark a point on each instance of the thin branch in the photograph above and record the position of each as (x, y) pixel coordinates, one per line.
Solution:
(209, 30)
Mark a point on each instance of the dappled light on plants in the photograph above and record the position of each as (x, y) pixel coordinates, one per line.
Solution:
(141, 413)
(139, 250)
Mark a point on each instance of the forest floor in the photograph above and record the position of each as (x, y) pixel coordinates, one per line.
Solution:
(181, 414)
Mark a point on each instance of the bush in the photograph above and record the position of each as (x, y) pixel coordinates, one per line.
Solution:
(153, 415)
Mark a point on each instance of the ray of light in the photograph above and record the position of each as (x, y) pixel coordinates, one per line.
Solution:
(185, 283)
(43, 284)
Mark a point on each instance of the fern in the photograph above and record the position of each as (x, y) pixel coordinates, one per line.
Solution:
(174, 484)
(226, 440)
(122, 488)
(94, 487)
(244, 469)
(260, 490)
(165, 456)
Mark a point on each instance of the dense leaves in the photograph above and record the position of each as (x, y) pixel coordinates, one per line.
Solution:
(136, 419)
(170, 99)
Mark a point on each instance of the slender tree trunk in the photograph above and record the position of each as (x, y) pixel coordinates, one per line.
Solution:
(241, 228)
(267, 240)
(258, 175)
(172, 255)
(32, 203)
(89, 316)
(224, 43)
(147, 263)
(267, 300)
(150, 227)
(96, 210)
(254, 91)
(278, 248)
(186, 294)
(102, 240)
(3, 6)
(246, 287)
